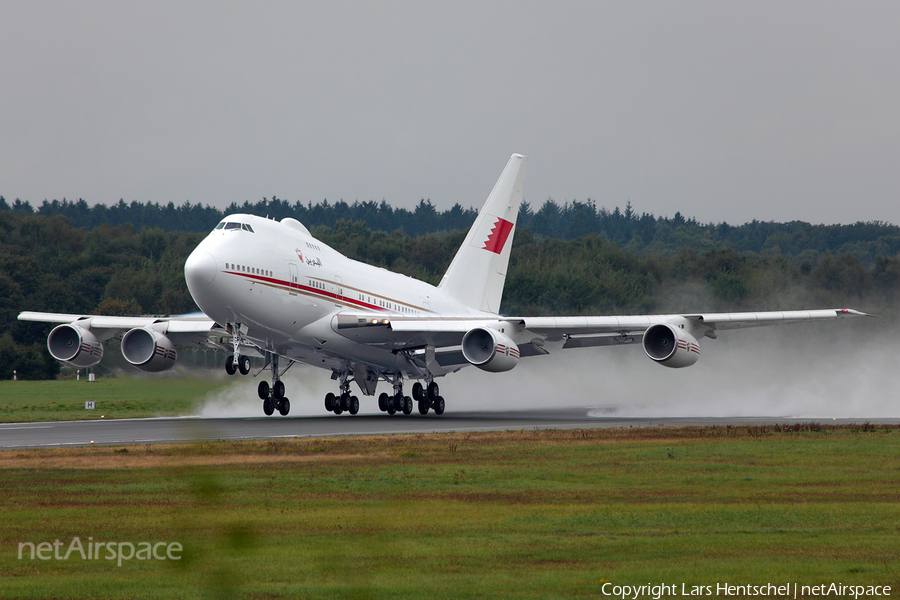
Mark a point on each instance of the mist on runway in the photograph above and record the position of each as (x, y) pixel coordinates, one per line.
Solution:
(844, 369)
(824, 370)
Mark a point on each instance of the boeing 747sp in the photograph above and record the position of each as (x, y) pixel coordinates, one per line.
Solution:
(271, 289)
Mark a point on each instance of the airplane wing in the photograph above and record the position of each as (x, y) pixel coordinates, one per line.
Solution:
(497, 343)
(147, 342)
(582, 328)
(176, 327)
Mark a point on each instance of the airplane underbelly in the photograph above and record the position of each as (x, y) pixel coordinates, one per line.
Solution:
(320, 337)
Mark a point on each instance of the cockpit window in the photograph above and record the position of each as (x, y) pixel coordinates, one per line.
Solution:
(242, 226)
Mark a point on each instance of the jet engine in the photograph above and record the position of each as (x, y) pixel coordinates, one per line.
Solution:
(490, 350)
(148, 350)
(75, 346)
(671, 346)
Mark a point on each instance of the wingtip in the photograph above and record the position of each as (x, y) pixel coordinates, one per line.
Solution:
(855, 313)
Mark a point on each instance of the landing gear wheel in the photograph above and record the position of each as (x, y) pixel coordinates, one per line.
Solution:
(268, 406)
(230, 367)
(407, 405)
(278, 389)
(329, 402)
(418, 392)
(263, 390)
(244, 365)
(284, 407)
(383, 402)
(423, 407)
(345, 401)
(439, 405)
(354, 405)
(391, 410)
(433, 391)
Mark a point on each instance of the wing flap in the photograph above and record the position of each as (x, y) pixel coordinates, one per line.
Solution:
(565, 326)
(593, 341)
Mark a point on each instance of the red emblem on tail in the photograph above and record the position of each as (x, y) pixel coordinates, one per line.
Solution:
(499, 234)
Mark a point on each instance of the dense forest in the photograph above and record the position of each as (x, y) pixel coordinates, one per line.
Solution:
(641, 234)
(55, 264)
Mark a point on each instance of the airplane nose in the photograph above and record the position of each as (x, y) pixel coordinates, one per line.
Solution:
(199, 269)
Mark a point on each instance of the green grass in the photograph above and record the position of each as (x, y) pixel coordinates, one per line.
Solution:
(116, 398)
(531, 514)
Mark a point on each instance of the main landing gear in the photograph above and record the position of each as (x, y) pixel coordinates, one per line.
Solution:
(427, 398)
(343, 402)
(272, 396)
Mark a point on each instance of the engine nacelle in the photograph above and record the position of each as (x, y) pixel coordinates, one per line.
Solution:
(148, 350)
(671, 346)
(490, 350)
(75, 346)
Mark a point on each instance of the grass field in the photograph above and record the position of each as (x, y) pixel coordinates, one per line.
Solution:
(529, 514)
(116, 398)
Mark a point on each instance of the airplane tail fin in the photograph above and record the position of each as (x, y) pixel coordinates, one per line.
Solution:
(478, 271)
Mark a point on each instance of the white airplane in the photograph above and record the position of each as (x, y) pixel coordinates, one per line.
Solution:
(279, 293)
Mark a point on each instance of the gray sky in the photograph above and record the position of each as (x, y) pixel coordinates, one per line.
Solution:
(720, 110)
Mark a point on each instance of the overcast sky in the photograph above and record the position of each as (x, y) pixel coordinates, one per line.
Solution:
(724, 111)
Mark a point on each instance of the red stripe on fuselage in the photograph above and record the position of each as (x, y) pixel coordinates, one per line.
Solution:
(313, 291)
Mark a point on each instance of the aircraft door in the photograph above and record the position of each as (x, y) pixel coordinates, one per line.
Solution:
(338, 291)
(295, 279)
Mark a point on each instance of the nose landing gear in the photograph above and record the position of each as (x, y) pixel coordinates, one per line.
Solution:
(237, 362)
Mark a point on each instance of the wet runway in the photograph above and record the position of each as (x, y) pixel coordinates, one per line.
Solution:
(188, 429)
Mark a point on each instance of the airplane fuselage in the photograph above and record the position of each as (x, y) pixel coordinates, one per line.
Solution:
(286, 287)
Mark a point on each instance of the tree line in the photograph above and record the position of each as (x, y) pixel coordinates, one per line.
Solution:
(51, 264)
(643, 234)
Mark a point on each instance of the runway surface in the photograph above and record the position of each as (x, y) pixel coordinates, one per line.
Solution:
(189, 429)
